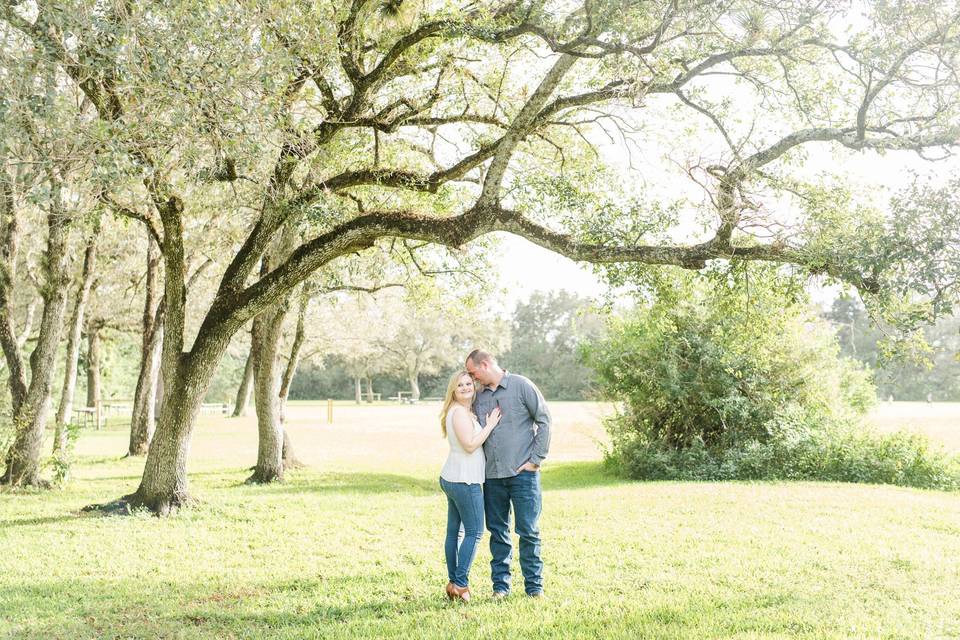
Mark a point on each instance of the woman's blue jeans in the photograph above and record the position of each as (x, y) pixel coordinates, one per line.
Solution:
(464, 507)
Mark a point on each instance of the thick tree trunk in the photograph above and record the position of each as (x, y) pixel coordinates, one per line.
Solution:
(73, 348)
(369, 389)
(23, 459)
(356, 389)
(143, 419)
(30, 408)
(158, 397)
(164, 486)
(242, 403)
(93, 363)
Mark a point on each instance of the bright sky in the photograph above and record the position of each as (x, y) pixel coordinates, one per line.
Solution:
(528, 268)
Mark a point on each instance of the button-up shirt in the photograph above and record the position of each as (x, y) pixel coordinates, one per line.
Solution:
(523, 434)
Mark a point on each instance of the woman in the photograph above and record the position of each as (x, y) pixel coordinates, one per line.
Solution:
(462, 480)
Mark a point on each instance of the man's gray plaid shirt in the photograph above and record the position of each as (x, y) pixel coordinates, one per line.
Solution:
(523, 434)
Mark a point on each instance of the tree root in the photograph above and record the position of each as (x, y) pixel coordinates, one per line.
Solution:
(133, 503)
(261, 477)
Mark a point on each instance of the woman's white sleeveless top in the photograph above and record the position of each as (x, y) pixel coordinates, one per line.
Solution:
(462, 466)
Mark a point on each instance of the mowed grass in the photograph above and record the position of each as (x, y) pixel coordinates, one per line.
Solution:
(351, 546)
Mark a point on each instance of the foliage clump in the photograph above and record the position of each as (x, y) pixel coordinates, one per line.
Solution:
(733, 377)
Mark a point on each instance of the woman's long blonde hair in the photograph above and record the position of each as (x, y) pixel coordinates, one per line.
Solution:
(449, 398)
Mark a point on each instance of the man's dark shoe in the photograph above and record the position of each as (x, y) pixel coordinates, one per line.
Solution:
(535, 594)
(499, 595)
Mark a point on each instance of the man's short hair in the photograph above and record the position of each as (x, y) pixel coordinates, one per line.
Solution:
(479, 356)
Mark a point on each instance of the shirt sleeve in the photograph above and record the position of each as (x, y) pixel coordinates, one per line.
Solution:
(537, 407)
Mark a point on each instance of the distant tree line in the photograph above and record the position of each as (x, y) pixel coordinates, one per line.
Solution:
(862, 340)
(545, 333)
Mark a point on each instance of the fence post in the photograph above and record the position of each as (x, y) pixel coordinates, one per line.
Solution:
(329, 411)
(97, 406)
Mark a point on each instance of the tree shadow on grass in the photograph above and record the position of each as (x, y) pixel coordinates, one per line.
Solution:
(29, 522)
(108, 607)
(562, 476)
(367, 483)
(357, 605)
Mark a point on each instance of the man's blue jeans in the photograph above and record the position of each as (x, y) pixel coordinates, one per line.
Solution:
(523, 492)
(464, 506)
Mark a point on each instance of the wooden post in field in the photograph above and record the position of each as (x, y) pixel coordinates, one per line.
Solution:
(329, 411)
(97, 405)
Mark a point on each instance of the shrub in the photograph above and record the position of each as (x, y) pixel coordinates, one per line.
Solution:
(719, 381)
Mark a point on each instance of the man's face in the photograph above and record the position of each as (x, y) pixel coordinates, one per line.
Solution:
(480, 372)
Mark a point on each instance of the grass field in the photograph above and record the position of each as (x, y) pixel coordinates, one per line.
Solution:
(351, 546)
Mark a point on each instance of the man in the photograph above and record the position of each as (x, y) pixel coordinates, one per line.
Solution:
(514, 452)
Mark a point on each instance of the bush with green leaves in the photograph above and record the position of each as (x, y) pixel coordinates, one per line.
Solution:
(732, 375)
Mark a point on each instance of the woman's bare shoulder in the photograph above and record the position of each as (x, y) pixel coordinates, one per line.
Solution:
(460, 410)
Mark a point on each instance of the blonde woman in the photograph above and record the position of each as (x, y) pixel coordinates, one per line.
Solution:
(462, 479)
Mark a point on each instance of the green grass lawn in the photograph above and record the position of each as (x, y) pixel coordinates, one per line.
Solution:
(351, 547)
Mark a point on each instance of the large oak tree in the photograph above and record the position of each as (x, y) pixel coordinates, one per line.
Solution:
(398, 124)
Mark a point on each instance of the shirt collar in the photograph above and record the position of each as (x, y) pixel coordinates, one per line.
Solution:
(504, 381)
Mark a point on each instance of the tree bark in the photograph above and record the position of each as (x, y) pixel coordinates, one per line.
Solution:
(369, 390)
(290, 460)
(73, 347)
(242, 403)
(356, 389)
(163, 487)
(267, 330)
(93, 363)
(267, 333)
(28, 323)
(289, 457)
(143, 419)
(414, 385)
(30, 408)
(294, 360)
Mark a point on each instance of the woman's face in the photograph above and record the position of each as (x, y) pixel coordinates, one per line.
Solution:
(465, 389)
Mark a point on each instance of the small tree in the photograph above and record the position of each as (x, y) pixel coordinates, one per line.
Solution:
(547, 331)
(426, 337)
(735, 377)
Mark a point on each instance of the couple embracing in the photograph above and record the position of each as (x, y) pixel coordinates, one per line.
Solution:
(498, 427)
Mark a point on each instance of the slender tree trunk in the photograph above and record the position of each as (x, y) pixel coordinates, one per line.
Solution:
(267, 330)
(143, 419)
(28, 323)
(30, 407)
(294, 360)
(369, 389)
(9, 248)
(414, 385)
(242, 403)
(93, 363)
(290, 460)
(73, 347)
(356, 389)
(289, 457)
